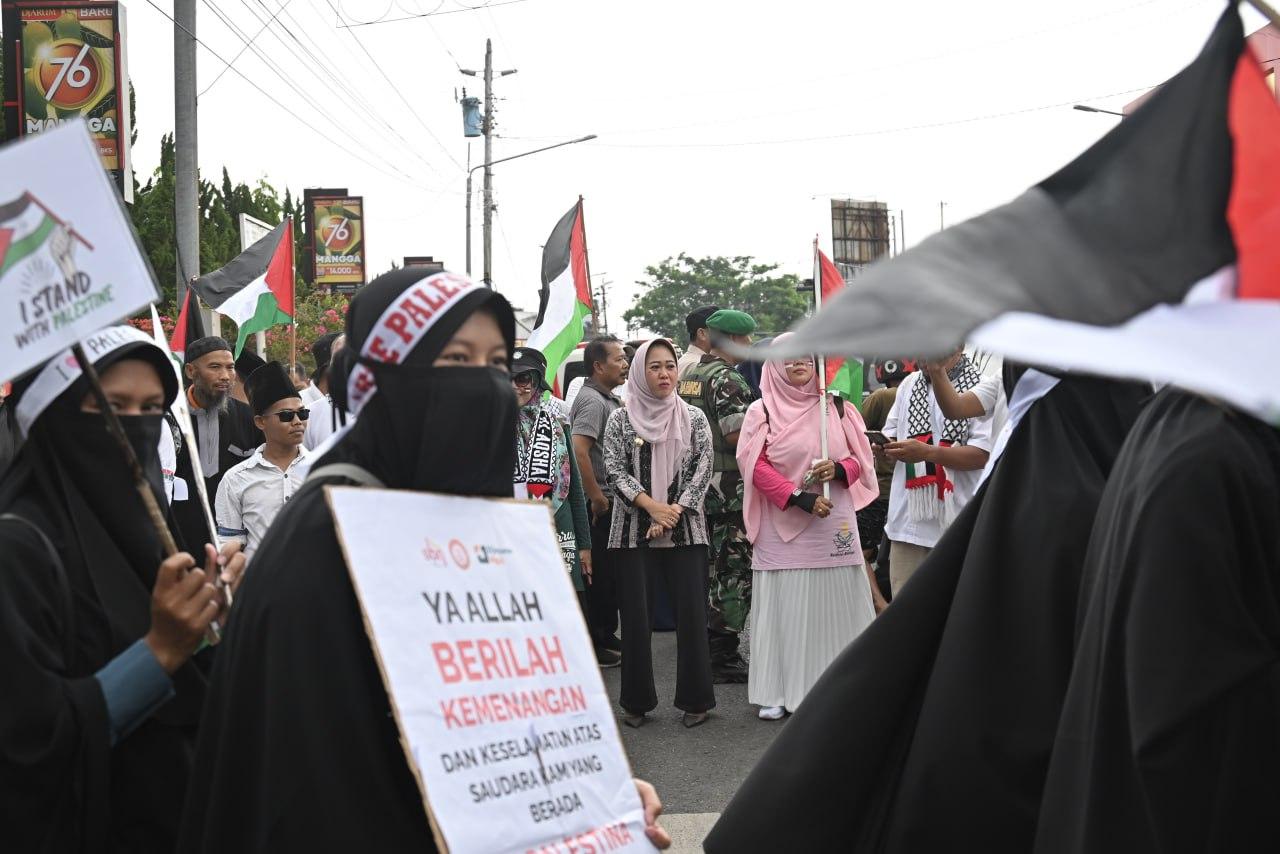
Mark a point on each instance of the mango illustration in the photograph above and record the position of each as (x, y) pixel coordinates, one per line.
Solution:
(33, 101)
(67, 26)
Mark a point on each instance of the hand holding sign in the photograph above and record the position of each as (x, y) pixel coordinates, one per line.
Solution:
(70, 262)
(491, 675)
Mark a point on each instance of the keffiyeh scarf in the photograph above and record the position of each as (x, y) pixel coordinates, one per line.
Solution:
(930, 493)
(542, 451)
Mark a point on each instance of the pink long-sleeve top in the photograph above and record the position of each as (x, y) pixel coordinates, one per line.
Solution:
(823, 543)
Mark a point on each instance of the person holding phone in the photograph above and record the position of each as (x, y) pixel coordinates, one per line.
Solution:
(813, 594)
(938, 462)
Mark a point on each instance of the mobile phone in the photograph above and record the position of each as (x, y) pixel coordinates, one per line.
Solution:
(875, 437)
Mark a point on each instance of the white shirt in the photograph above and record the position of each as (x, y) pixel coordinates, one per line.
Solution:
(251, 494)
(320, 423)
(310, 395)
(692, 356)
(926, 532)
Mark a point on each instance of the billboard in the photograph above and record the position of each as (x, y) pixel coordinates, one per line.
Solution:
(335, 231)
(427, 262)
(859, 234)
(66, 60)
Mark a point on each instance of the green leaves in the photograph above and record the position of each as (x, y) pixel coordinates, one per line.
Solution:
(678, 285)
(220, 207)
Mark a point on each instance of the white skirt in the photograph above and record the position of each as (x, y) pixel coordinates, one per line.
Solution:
(801, 619)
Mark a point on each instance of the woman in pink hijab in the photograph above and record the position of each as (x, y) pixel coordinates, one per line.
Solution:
(812, 594)
(657, 452)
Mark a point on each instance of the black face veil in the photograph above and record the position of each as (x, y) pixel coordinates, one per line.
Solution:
(446, 429)
(72, 466)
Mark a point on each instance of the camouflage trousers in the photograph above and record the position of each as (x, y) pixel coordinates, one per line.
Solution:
(730, 591)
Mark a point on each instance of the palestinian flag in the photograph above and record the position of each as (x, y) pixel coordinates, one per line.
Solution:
(565, 300)
(1153, 255)
(189, 327)
(844, 376)
(256, 288)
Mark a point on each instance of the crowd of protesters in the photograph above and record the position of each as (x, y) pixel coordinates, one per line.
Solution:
(682, 495)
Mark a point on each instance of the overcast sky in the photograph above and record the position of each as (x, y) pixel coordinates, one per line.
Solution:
(725, 127)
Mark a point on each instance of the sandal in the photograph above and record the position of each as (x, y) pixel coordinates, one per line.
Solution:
(634, 721)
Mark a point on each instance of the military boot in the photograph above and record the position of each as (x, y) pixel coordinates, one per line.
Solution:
(727, 666)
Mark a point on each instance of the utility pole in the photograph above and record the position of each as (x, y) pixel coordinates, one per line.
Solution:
(186, 193)
(942, 222)
(488, 163)
(487, 131)
(600, 319)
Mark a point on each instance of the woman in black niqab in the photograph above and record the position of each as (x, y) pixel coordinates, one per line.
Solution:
(299, 750)
(78, 561)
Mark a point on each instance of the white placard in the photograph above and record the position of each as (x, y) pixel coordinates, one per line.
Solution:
(490, 671)
(70, 263)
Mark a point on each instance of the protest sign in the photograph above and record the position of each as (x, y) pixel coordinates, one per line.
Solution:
(490, 672)
(70, 263)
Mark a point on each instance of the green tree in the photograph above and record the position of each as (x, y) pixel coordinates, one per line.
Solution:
(678, 285)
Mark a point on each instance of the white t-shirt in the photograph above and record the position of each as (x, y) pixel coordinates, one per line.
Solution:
(311, 394)
(926, 532)
(320, 424)
(252, 494)
(988, 391)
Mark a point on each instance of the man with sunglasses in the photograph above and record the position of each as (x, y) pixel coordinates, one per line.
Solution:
(254, 491)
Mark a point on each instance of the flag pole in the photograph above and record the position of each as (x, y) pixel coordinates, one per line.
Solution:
(182, 416)
(116, 429)
(821, 365)
(293, 292)
(586, 257)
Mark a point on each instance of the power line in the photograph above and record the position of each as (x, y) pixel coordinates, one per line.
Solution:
(352, 99)
(855, 134)
(282, 106)
(385, 20)
(396, 89)
(235, 58)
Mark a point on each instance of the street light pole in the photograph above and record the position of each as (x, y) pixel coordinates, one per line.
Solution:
(1084, 108)
(487, 167)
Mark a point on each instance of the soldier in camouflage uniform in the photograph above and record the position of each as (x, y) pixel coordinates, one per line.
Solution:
(715, 386)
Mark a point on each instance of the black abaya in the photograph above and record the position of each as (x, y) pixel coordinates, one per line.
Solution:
(298, 748)
(933, 729)
(63, 786)
(1169, 738)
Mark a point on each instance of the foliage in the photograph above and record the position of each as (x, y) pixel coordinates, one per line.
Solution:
(678, 285)
(317, 314)
(220, 207)
(143, 322)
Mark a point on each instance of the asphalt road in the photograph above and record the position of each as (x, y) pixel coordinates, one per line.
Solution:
(696, 771)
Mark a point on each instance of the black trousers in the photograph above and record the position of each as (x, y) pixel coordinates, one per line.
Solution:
(602, 592)
(684, 570)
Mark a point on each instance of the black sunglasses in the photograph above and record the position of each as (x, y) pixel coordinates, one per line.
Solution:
(286, 415)
(525, 378)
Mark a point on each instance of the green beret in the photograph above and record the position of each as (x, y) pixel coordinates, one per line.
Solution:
(732, 322)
